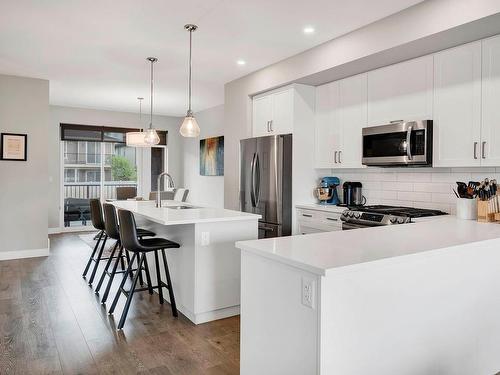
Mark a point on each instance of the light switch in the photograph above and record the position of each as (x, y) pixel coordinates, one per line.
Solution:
(205, 238)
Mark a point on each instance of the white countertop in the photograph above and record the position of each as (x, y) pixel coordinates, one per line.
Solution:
(321, 207)
(323, 253)
(170, 216)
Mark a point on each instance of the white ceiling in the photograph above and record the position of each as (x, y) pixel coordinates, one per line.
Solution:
(93, 52)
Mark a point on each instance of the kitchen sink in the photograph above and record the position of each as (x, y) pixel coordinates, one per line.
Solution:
(180, 207)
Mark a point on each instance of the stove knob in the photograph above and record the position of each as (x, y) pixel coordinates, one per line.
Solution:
(401, 220)
(393, 220)
(344, 213)
(351, 214)
(357, 215)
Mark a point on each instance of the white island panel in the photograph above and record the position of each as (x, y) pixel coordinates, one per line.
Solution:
(205, 270)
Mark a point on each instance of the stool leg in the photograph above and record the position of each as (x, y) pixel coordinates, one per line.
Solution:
(128, 262)
(108, 263)
(148, 275)
(158, 277)
(169, 283)
(117, 296)
(113, 273)
(122, 263)
(141, 279)
(98, 260)
(92, 255)
(130, 295)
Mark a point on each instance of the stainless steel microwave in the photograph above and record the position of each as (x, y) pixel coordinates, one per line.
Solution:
(402, 143)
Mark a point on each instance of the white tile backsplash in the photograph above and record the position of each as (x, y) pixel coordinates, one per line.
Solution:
(424, 187)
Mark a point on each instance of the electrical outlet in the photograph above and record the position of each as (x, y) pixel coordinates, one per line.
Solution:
(308, 292)
(205, 238)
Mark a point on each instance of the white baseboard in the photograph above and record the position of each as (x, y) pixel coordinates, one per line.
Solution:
(207, 316)
(54, 230)
(20, 254)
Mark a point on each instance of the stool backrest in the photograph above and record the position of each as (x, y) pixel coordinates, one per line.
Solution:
(110, 221)
(126, 192)
(96, 214)
(128, 230)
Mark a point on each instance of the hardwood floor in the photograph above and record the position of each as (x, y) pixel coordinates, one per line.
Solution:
(51, 322)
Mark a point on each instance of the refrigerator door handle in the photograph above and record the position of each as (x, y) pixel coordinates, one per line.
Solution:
(257, 175)
(252, 190)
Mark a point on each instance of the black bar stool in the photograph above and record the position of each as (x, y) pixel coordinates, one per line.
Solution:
(139, 248)
(112, 231)
(98, 223)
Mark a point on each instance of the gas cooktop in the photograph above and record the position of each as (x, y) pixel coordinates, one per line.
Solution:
(385, 215)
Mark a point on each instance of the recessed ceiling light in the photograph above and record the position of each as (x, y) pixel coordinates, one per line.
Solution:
(309, 30)
(241, 62)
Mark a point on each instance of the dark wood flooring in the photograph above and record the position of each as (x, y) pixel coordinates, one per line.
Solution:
(51, 322)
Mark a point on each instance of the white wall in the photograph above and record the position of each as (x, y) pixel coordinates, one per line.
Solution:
(204, 190)
(24, 108)
(439, 24)
(106, 118)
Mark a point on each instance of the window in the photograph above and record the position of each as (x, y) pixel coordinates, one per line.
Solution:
(69, 175)
(96, 161)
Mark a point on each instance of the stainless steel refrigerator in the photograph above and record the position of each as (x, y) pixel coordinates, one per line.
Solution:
(266, 182)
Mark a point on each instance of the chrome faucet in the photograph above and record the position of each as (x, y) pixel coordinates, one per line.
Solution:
(158, 183)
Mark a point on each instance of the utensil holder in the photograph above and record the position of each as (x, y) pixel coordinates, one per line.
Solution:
(467, 209)
(483, 212)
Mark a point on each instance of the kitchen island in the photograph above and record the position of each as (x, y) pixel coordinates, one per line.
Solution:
(418, 298)
(205, 270)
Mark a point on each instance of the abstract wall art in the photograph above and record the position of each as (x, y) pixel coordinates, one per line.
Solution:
(212, 156)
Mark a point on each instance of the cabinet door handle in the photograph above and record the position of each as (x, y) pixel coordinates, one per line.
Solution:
(267, 124)
(483, 146)
(271, 125)
(335, 157)
(340, 161)
(332, 219)
(475, 150)
(307, 215)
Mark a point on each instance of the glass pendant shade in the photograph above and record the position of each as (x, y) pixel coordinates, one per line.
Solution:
(189, 127)
(151, 137)
(136, 139)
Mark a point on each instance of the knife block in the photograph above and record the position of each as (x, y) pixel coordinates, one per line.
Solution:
(483, 212)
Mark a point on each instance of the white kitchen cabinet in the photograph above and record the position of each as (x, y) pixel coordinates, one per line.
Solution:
(490, 127)
(262, 113)
(457, 107)
(315, 221)
(340, 116)
(401, 92)
(327, 129)
(273, 112)
(352, 119)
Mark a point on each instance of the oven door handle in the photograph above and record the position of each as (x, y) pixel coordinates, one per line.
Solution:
(408, 142)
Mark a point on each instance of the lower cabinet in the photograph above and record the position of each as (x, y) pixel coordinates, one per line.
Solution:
(314, 221)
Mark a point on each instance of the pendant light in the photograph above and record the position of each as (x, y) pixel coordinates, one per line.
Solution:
(151, 136)
(136, 139)
(189, 127)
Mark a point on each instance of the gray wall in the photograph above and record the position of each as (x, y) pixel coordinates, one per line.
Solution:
(204, 190)
(424, 28)
(24, 108)
(108, 118)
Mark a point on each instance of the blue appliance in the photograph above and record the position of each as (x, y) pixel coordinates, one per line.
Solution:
(331, 182)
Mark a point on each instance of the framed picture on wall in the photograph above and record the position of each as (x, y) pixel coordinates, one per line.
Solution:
(13, 146)
(212, 156)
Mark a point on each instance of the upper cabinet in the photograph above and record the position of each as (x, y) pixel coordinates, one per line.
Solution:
(490, 128)
(340, 116)
(273, 113)
(457, 107)
(400, 92)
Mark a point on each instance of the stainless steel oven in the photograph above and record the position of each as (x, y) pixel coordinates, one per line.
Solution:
(401, 143)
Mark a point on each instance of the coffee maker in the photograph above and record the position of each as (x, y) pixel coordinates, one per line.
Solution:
(326, 193)
(353, 194)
